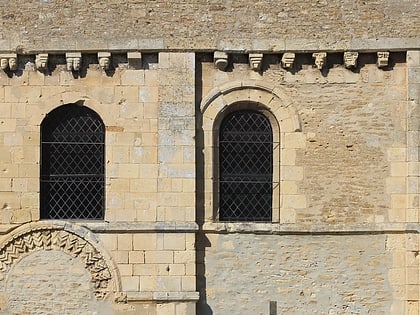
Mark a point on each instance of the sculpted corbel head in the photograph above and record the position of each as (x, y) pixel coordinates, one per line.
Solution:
(4, 63)
(104, 63)
(350, 59)
(320, 59)
(41, 62)
(76, 63)
(13, 63)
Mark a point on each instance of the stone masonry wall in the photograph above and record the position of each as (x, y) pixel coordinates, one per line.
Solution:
(304, 274)
(206, 25)
(344, 165)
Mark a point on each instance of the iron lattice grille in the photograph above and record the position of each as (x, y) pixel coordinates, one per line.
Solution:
(246, 167)
(72, 168)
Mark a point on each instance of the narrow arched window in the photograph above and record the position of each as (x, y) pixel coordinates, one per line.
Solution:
(245, 167)
(72, 164)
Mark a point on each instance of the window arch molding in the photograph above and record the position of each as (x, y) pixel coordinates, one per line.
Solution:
(263, 97)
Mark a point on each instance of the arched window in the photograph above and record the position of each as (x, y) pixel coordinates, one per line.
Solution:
(72, 164)
(245, 167)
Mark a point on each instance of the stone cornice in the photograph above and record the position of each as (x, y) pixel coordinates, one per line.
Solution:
(298, 45)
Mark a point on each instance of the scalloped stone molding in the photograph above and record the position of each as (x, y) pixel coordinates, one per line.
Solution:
(42, 237)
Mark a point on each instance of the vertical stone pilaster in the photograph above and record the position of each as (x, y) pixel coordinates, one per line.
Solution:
(413, 180)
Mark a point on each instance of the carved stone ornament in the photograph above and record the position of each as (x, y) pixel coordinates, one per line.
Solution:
(104, 60)
(320, 59)
(287, 60)
(8, 61)
(73, 61)
(255, 61)
(350, 59)
(383, 57)
(220, 60)
(41, 62)
(51, 239)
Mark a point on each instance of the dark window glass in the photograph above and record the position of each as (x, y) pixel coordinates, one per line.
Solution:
(72, 164)
(246, 167)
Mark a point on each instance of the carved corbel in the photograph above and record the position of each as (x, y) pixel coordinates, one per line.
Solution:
(8, 61)
(350, 59)
(41, 62)
(287, 60)
(220, 60)
(104, 60)
(73, 61)
(255, 61)
(134, 58)
(383, 58)
(320, 59)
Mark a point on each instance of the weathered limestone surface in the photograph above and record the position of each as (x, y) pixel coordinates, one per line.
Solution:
(203, 25)
(323, 274)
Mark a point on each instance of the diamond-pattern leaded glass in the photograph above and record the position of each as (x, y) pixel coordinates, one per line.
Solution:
(72, 168)
(246, 167)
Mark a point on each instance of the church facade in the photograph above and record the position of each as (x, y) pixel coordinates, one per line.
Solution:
(223, 157)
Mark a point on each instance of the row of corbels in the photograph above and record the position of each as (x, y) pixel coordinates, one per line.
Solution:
(287, 60)
(73, 60)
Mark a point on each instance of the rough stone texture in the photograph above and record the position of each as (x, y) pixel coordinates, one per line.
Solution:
(324, 274)
(38, 286)
(223, 24)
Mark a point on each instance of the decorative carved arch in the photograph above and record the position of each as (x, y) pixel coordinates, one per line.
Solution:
(268, 98)
(267, 95)
(77, 242)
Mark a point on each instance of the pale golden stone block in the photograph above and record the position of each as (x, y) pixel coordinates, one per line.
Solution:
(144, 241)
(397, 215)
(398, 169)
(150, 110)
(5, 110)
(143, 154)
(21, 216)
(132, 77)
(148, 94)
(127, 94)
(128, 170)
(130, 110)
(121, 256)
(145, 269)
(109, 240)
(295, 140)
(288, 157)
(288, 187)
(143, 185)
(291, 173)
(190, 269)
(5, 184)
(413, 276)
(174, 241)
(130, 283)
(395, 185)
(168, 283)
(28, 170)
(174, 214)
(188, 283)
(125, 269)
(136, 257)
(412, 306)
(119, 184)
(125, 242)
(146, 215)
(7, 125)
(159, 257)
(294, 201)
(399, 201)
(9, 170)
(148, 283)
(171, 269)
(287, 215)
(397, 154)
(184, 256)
(151, 78)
